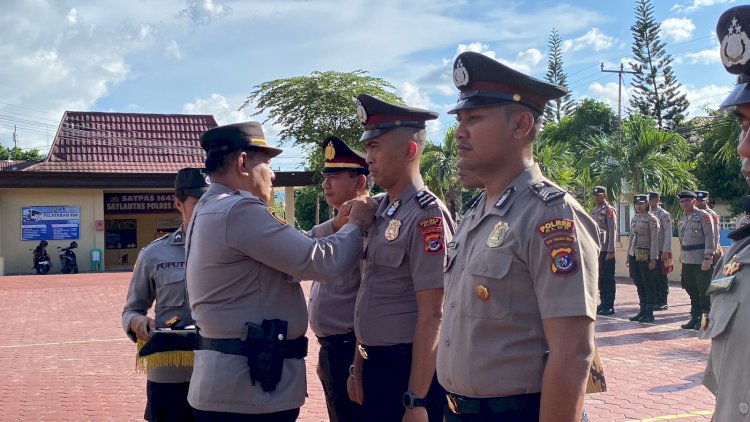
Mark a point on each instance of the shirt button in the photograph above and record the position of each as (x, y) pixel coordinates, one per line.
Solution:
(447, 343)
(483, 268)
(743, 408)
(453, 304)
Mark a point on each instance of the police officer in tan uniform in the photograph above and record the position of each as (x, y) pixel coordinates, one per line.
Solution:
(331, 308)
(159, 279)
(517, 335)
(698, 245)
(398, 310)
(606, 220)
(664, 264)
(728, 374)
(643, 252)
(701, 198)
(242, 266)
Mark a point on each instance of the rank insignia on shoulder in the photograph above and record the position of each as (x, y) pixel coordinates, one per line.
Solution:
(546, 191)
(276, 217)
(504, 197)
(172, 321)
(391, 211)
(424, 198)
(497, 236)
(392, 231)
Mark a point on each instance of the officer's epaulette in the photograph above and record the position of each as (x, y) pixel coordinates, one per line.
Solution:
(424, 198)
(475, 200)
(546, 191)
(740, 233)
(160, 238)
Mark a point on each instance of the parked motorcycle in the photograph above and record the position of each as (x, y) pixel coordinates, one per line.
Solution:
(42, 263)
(68, 260)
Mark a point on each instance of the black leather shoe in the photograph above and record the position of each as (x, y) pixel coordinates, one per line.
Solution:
(647, 318)
(599, 308)
(662, 307)
(694, 322)
(607, 311)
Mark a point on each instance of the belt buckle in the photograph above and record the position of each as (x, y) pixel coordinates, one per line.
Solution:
(362, 351)
(452, 404)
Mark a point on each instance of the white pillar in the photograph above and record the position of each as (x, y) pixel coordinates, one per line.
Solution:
(289, 205)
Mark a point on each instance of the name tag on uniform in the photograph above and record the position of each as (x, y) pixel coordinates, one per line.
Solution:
(720, 285)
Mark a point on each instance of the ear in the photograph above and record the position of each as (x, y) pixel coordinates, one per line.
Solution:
(361, 182)
(242, 163)
(411, 150)
(522, 122)
(177, 204)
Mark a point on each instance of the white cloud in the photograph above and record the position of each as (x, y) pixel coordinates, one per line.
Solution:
(413, 96)
(607, 93)
(72, 17)
(476, 47)
(593, 39)
(173, 51)
(677, 29)
(697, 4)
(709, 96)
(709, 56)
(525, 61)
(203, 12)
(218, 106)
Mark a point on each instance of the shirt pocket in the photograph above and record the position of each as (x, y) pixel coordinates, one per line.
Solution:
(488, 279)
(450, 257)
(390, 273)
(723, 309)
(170, 288)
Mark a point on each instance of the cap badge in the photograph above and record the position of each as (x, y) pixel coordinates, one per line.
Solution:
(460, 74)
(361, 112)
(330, 151)
(497, 235)
(735, 47)
(516, 97)
(391, 232)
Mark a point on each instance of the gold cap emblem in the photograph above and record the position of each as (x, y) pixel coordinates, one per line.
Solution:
(330, 152)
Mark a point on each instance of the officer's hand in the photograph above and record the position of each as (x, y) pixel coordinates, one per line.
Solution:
(417, 414)
(627, 263)
(610, 256)
(706, 265)
(651, 264)
(362, 212)
(342, 217)
(141, 325)
(354, 387)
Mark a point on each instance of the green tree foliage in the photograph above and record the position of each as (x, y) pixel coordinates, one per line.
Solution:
(561, 107)
(438, 167)
(556, 162)
(590, 118)
(647, 159)
(19, 154)
(656, 90)
(305, 199)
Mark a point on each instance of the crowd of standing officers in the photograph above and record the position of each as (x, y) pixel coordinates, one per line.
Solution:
(417, 319)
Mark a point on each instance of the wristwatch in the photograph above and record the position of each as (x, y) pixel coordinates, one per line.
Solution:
(411, 401)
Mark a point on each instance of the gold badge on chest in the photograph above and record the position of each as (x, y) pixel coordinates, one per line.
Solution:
(391, 232)
(482, 292)
(731, 267)
(498, 234)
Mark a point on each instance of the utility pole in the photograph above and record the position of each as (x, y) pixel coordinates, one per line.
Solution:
(619, 95)
(15, 143)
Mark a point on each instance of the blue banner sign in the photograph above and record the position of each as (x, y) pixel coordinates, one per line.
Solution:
(139, 203)
(50, 223)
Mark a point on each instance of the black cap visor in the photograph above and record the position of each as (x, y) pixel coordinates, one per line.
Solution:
(740, 95)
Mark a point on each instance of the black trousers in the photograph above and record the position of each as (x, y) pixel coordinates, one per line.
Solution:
(486, 413)
(644, 279)
(607, 286)
(283, 416)
(662, 284)
(335, 357)
(167, 402)
(695, 282)
(385, 379)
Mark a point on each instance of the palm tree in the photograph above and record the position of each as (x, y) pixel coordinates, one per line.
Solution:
(647, 159)
(438, 167)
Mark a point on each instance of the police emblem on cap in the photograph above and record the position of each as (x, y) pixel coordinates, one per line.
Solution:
(735, 47)
(330, 151)
(460, 75)
(361, 112)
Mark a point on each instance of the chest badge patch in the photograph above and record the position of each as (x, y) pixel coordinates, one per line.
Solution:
(563, 261)
(482, 292)
(732, 267)
(392, 231)
(497, 236)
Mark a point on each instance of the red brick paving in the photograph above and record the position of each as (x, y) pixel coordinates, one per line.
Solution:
(63, 356)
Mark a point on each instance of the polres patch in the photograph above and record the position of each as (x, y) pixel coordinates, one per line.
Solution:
(432, 232)
(563, 261)
(556, 225)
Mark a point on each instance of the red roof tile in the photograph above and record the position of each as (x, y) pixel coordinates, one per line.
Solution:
(94, 142)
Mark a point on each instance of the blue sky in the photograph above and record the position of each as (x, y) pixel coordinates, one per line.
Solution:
(204, 56)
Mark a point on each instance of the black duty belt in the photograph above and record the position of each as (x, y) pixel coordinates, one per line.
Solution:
(693, 247)
(384, 352)
(290, 349)
(460, 404)
(337, 339)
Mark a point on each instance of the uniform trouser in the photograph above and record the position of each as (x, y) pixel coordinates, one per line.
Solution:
(662, 285)
(385, 379)
(696, 281)
(607, 286)
(334, 359)
(283, 416)
(644, 279)
(166, 402)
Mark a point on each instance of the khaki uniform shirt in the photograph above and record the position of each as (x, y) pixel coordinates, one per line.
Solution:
(405, 254)
(715, 219)
(696, 229)
(644, 234)
(241, 266)
(159, 276)
(331, 308)
(727, 374)
(606, 220)
(665, 229)
(533, 256)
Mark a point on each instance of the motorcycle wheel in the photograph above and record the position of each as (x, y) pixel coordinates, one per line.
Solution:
(44, 270)
(38, 269)
(66, 270)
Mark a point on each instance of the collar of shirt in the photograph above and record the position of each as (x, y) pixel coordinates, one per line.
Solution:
(409, 191)
(178, 237)
(527, 178)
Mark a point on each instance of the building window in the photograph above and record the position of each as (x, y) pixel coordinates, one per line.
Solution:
(121, 234)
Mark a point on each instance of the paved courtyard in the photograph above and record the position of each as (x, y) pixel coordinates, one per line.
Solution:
(63, 356)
